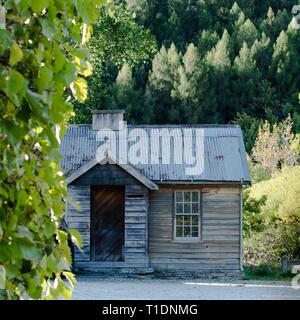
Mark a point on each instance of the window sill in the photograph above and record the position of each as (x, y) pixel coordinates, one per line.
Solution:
(187, 241)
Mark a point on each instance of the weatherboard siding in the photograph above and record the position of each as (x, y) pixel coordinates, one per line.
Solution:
(219, 246)
(149, 225)
(80, 220)
(136, 217)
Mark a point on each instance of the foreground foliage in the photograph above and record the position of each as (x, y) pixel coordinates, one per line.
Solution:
(42, 62)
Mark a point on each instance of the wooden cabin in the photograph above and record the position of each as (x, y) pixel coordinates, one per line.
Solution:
(145, 215)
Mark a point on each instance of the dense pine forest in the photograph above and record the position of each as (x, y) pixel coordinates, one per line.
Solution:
(197, 61)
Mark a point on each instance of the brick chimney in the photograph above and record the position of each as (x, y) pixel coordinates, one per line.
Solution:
(107, 119)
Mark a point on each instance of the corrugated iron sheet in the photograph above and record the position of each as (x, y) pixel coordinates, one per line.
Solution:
(224, 155)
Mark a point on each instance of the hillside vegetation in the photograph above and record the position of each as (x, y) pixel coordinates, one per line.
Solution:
(197, 61)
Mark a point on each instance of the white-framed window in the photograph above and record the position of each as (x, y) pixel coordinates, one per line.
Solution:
(187, 215)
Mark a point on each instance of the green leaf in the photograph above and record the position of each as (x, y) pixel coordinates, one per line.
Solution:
(76, 238)
(70, 277)
(15, 86)
(65, 291)
(1, 232)
(49, 228)
(45, 78)
(52, 262)
(83, 67)
(22, 198)
(29, 251)
(69, 73)
(79, 89)
(35, 104)
(5, 40)
(16, 54)
(24, 232)
(86, 10)
(49, 28)
(59, 61)
(33, 280)
(74, 204)
(38, 5)
(2, 277)
(81, 53)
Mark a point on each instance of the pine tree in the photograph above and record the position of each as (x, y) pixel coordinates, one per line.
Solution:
(285, 65)
(235, 9)
(165, 69)
(188, 74)
(173, 60)
(126, 95)
(250, 126)
(244, 63)
(140, 8)
(247, 33)
(274, 23)
(236, 16)
(236, 21)
(208, 39)
(240, 20)
(293, 33)
(270, 16)
(163, 78)
(282, 20)
(159, 77)
(219, 56)
(217, 100)
(124, 82)
(247, 77)
(268, 23)
(294, 24)
(191, 60)
(262, 52)
(265, 103)
(191, 86)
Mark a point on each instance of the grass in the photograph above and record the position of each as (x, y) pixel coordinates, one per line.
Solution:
(265, 272)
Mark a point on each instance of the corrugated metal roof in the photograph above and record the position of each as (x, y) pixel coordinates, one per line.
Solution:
(223, 156)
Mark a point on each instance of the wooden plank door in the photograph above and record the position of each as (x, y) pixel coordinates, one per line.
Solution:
(107, 238)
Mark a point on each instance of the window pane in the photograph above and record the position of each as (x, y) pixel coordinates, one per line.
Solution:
(195, 197)
(187, 208)
(179, 207)
(195, 232)
(179, 220)
(195, 208)
(187, 221)
(187, 196)
(179, 196)
(187, 232)
(195, 220)
(179, 231)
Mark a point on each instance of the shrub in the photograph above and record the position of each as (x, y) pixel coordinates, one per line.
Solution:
(267, 247)
(252, 216)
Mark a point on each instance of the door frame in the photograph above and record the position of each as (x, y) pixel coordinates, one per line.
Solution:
(92, 213)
